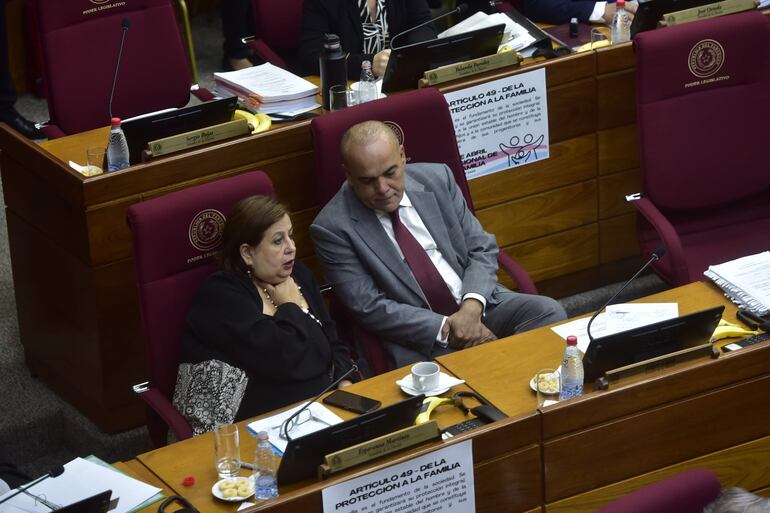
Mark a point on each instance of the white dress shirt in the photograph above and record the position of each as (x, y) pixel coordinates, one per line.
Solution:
(412, 221)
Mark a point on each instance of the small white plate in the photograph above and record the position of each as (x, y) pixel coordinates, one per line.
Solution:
(216, 492)
(445, 382)
(532, 382)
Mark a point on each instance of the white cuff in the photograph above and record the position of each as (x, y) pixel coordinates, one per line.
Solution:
(598, 15)
(442, 342)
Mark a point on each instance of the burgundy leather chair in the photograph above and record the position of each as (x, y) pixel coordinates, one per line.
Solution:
(175, 238)
(703, 112)
(277, 27)
(423, 120)
(80, 43)
(688, 492)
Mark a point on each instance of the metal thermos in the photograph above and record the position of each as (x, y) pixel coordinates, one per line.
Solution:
(333, 63)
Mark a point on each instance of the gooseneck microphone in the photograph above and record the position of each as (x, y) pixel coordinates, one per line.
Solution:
(656, 255)
(460, 9)
(124, 27)
(285, 425)
(54, 472)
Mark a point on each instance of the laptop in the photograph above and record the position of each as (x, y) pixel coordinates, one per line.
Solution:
(303, 455)
(99, 503)
(407, 64)
(639, 344)
(142, 129)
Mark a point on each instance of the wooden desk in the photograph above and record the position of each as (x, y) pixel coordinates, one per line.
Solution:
(563, 218)
(607, 443)
(506, 460)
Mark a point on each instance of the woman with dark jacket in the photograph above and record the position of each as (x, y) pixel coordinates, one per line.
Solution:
(262, 313)
(365, 29)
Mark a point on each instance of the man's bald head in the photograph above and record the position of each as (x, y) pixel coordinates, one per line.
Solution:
(363, 134)
(374, 163)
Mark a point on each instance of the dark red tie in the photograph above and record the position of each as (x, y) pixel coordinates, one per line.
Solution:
(432, 284)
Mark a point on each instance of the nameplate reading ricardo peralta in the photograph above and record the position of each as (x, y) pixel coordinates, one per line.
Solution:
(441, 482)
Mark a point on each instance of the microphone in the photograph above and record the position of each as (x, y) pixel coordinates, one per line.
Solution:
(54, 472)
(124, 27)
(285, 425)
(656, 255)
(460, 9)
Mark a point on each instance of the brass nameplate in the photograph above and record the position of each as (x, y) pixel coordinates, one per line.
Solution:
(199, 137)
(472, 67)
(659, 362)
(380, 446)
(708, 11)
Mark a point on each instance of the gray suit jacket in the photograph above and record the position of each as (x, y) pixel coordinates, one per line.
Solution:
(370, 277)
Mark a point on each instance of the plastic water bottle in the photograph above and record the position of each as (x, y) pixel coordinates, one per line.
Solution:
(332, 62)
(367, 87)
(621, 24)
(265, 483)
(571, 371)
(117, 148)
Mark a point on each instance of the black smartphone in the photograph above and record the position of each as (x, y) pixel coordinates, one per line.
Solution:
(351, 402)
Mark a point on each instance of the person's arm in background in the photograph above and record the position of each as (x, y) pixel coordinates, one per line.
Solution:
(316, 19)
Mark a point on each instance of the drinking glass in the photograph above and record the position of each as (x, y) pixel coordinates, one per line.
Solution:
(227, 451)
(547, 383)
(341, 97)
(94, 160)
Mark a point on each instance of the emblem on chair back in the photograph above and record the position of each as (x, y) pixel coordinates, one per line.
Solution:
(706, 58)
(205, 230)
(396, 130)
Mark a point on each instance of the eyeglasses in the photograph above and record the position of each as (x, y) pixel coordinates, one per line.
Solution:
(288, 425)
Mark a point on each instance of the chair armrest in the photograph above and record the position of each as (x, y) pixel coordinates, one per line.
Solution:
(201, 93)
(512, 268)
(52, 131)
(667, 234)
(260, 48)
(166, 411)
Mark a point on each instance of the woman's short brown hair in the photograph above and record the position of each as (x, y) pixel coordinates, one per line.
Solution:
(247, 224)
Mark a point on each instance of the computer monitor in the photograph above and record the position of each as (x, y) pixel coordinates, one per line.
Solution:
(407, 64)
(142, 129)
(640, 344)
(303, 455)
(650, 12)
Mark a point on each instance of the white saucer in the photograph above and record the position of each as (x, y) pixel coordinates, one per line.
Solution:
(445, 382)
(534, 387)
(216, 492)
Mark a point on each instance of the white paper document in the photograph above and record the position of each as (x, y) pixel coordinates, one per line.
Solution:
(320, 417)
(82, 479)
(268, 82)
(746, 281)
(515, 36)
(617, 318)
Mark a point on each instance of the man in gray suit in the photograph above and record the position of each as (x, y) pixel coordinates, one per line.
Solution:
(359, 240)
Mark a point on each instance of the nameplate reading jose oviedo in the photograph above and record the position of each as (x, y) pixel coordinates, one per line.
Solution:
(441, 481)
(501, 124)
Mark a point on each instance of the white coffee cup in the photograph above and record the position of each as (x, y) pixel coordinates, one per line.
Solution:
(425, 376)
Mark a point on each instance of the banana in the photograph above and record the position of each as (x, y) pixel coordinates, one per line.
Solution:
(250, 118)
(730, 330)
(264, 123)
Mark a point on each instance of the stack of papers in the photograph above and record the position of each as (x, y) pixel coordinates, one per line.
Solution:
(81, 479)
(268, 89)
(515, 36)
(745, 281)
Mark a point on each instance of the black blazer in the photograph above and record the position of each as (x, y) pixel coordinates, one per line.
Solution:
(287, 357)
(341, 17)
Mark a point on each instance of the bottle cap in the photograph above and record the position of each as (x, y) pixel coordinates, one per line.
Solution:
(366, 65)
(115, 122)
(621, 4)
(331, 41)
(572, 339)
(262, 436)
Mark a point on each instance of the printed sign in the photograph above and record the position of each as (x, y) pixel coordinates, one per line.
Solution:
(441, 481)
(501, 124)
